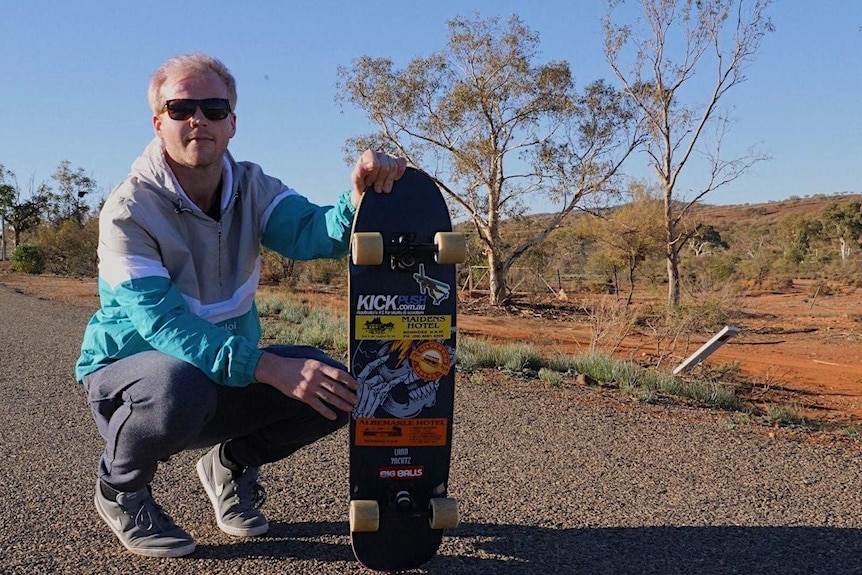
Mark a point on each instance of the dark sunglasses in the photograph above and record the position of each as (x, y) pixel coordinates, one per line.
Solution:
(184, 108)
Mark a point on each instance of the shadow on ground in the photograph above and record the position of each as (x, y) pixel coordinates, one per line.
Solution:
(502, 549)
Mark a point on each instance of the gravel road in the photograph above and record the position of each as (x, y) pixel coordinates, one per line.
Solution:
(549, 481)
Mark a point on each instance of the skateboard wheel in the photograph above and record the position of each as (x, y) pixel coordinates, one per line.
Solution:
(444, 513)
(367, 248)
(364, 516)
(451, 247)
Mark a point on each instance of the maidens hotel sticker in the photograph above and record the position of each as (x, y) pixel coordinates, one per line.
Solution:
(400, 327)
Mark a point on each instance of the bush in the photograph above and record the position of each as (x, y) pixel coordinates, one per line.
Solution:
(70, 250)
(29, 259)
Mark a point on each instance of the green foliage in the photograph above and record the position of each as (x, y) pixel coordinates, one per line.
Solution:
(298, 323)
(276, 269)
(28, 259)
(70, 249)
(550, 377)
(644, 384)
(7, 190)
(786, 415)
(514, 357)
(21, 215)
(598, 365)
(706, 237)
(475, 354)
(68, 202)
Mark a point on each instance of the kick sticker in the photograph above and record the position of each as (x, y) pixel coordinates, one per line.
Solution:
(380, 432)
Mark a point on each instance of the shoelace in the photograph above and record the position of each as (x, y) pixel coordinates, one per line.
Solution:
(249, 492)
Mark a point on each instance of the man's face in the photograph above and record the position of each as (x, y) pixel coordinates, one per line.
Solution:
(197, 142)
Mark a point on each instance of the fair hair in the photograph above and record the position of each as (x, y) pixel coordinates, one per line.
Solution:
(185, 66)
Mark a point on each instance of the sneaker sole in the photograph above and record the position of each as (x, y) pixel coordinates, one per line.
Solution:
(144, 551)
(235, 531)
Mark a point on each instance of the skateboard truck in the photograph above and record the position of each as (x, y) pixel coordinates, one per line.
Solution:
(368, 249)
(403, 501)
(365, 515)
(403, 249)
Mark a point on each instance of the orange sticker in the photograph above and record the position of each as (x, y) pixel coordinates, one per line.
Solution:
(380, 432)
(430, 360)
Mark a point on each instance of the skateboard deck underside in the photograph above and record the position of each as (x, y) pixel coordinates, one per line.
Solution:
(402, 351)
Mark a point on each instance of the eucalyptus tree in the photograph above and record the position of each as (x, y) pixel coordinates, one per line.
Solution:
(22, 215)
(68, 203)
(660, 59)
(500, 132)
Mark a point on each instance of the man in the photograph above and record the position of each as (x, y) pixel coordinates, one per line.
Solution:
(170, 362)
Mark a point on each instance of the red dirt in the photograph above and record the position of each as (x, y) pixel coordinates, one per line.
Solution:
(796, 347)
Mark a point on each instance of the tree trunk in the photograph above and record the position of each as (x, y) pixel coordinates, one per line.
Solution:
(671, 251)
(672, 278)
(497, 279)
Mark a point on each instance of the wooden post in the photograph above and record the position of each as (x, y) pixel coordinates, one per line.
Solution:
(706, 349)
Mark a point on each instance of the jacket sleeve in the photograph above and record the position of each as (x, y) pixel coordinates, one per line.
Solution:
(140, 292)
(160, 315)
(300, 230)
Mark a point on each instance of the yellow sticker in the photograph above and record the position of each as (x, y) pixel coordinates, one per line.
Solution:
(394, 327)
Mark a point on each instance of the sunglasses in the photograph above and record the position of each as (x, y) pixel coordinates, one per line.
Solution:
(184, 108)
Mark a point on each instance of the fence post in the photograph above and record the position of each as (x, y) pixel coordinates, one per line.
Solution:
(706, 349)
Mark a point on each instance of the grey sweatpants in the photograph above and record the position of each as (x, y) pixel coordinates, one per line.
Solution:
(151, 406)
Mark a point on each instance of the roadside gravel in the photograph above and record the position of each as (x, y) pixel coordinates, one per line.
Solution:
(549, 481)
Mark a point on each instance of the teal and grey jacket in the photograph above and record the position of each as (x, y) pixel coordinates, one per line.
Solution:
(173, 279)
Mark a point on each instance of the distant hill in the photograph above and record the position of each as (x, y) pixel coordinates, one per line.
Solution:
(721, 217)
(777, 209)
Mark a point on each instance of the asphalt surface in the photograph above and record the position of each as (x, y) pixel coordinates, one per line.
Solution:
(549, 481)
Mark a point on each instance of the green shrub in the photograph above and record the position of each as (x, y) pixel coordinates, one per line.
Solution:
(518, 356)
(298, 323)
(550, 377)
(29, 259)
(475, 354)
(70, 250)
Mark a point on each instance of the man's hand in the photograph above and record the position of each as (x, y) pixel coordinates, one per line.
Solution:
(309, 381)
(376, 170)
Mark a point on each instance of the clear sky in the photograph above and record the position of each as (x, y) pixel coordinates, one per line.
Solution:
(73, 77)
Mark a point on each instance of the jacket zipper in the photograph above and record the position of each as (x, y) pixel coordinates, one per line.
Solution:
(220, 258)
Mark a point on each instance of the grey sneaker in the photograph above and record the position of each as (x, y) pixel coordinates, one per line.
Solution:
(141, 525)
(235, 499)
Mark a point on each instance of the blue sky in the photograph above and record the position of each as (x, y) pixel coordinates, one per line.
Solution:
(75, 76)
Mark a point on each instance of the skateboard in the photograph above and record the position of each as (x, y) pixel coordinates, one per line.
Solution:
(402, 353)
